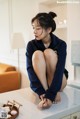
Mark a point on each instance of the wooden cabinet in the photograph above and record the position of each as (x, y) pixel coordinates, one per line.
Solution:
(67, 117)
(75, 115)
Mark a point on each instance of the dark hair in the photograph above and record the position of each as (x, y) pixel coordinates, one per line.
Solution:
(46, 20)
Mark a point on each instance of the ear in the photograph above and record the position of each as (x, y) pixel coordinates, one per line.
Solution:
(49, 30)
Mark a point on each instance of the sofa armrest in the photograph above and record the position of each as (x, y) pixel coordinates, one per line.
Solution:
(6, 68)
(9, 81)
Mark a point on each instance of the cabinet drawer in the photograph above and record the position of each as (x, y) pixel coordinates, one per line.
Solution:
(67, 117)
(75, 115)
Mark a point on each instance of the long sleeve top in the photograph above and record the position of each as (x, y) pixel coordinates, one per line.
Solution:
(58, 45)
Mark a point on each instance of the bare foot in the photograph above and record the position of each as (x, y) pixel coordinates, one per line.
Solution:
(57, 98)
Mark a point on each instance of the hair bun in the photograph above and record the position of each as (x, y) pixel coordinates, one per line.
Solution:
(52, 14)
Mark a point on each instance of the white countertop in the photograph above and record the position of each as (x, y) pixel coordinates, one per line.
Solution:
(70, 103)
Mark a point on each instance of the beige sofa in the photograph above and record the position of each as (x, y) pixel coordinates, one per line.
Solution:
(9, 78)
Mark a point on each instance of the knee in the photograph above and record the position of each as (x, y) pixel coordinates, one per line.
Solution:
(37, 55)
(49, 53)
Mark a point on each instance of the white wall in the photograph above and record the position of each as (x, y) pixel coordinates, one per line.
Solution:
(4, 25)
(15, 16)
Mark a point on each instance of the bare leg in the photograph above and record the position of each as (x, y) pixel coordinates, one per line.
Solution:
(39, 66)
(64, 83)
(51, 61)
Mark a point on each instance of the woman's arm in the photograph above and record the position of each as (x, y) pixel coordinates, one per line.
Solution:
(34, 81)
(57, 80)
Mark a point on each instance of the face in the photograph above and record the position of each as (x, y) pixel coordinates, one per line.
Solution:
(39, 32)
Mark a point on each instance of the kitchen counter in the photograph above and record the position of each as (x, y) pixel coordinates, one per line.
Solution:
(70, 103)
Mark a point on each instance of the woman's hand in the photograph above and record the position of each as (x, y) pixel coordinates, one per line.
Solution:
(45, 103)
(42, 96)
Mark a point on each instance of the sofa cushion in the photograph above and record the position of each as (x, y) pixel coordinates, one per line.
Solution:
(10, 81)
(6, 68)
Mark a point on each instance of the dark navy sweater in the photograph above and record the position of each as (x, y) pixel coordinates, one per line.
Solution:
(58, 45)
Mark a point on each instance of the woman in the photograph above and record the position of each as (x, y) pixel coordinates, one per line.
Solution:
(46, 56)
